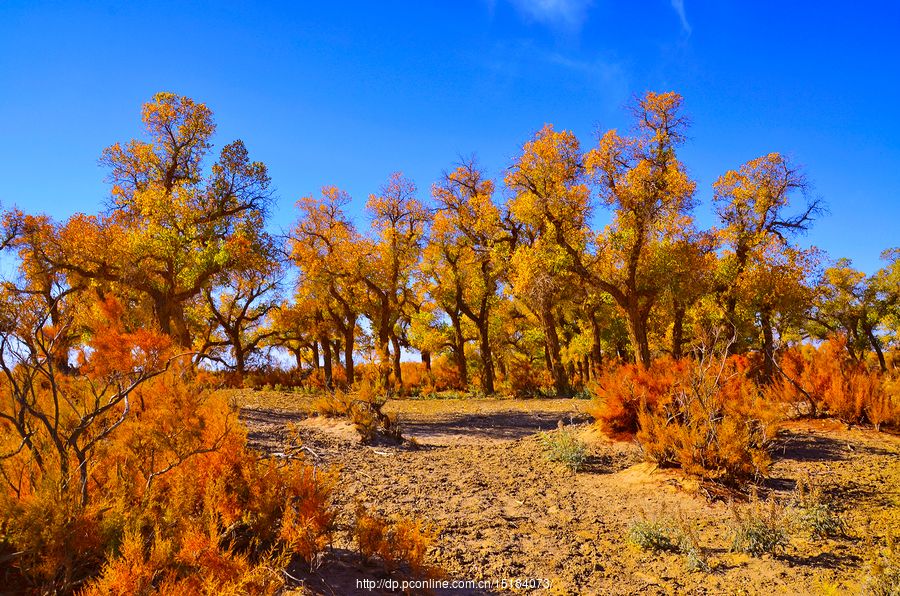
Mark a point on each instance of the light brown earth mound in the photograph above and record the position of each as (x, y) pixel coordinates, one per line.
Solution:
(506, 513)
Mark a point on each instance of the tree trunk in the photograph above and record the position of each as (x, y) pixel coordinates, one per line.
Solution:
(298, 357)
(876, 346)
(315, 354)
(487, 360)
(596, 346)
(459, 348)
(560, 381)
(349, 340)
(768, 346)
(240, 364)
(398, 372)
(325, 342)
(426, 359)
(678, 330)
(637, 333)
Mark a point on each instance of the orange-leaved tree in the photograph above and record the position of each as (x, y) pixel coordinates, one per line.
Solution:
(327, 248)
(169, 228)
(393, 255)
(551, 203)
(759, 261)
(468, 253)
(651, 195)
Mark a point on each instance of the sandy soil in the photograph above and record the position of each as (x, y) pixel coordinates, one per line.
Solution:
(505, 512)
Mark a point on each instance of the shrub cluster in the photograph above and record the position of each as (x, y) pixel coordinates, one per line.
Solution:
(705, 415)
(564, 446)
(176, 504)
(362, 407)
(130, 476)
(827, 381)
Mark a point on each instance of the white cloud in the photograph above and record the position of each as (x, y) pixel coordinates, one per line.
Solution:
(678, 5)
(522, 62)
(555, 13)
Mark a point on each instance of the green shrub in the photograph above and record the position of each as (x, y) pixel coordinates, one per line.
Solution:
(662, 534)
(760, 528)
(813, 516)
(651, 535)
(564, 446)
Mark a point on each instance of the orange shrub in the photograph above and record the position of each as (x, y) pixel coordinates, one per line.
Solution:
(623, 390)
(398, 542)
(178, 504)
(525, 381)
(826, 380)
(712, 423)
(445, 374)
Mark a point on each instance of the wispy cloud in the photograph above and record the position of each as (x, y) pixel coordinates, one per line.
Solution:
(678, 5)
(523, 63)
(569, 14)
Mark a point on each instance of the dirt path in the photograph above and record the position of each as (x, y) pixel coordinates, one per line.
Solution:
(505, 512)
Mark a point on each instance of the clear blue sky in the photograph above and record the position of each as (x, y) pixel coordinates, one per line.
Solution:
(345, 93)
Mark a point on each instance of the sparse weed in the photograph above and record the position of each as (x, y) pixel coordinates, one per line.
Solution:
(813, 516)
(651, 535)
(564, 446)
(689, 545)
(761, 527)
(662, 534)
(883, 573)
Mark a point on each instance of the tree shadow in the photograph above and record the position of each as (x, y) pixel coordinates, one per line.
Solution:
(811, 447)
(494, 426)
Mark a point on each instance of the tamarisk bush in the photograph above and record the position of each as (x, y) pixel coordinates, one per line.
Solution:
(128, 476)
(705, 415)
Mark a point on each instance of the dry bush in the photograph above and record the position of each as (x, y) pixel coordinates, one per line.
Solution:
(623, 390)
(398, 542)
(143, 477)
(884, 408)
(363, 408)
(882, 564)
(826, 381)
(526, 381)
(333, 405)
(712, 422)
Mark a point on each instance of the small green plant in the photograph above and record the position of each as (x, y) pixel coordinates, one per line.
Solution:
(651, 535)
(762, 527)
(812, 515)
(583, 393)
(662, 534)
(564, 446)
(689, 545)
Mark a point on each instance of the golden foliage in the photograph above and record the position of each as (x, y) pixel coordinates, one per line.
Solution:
(395, 542)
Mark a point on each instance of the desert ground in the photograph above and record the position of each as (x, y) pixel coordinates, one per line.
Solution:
(476, 470)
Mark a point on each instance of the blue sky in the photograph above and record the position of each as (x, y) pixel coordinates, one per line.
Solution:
(345, 93)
